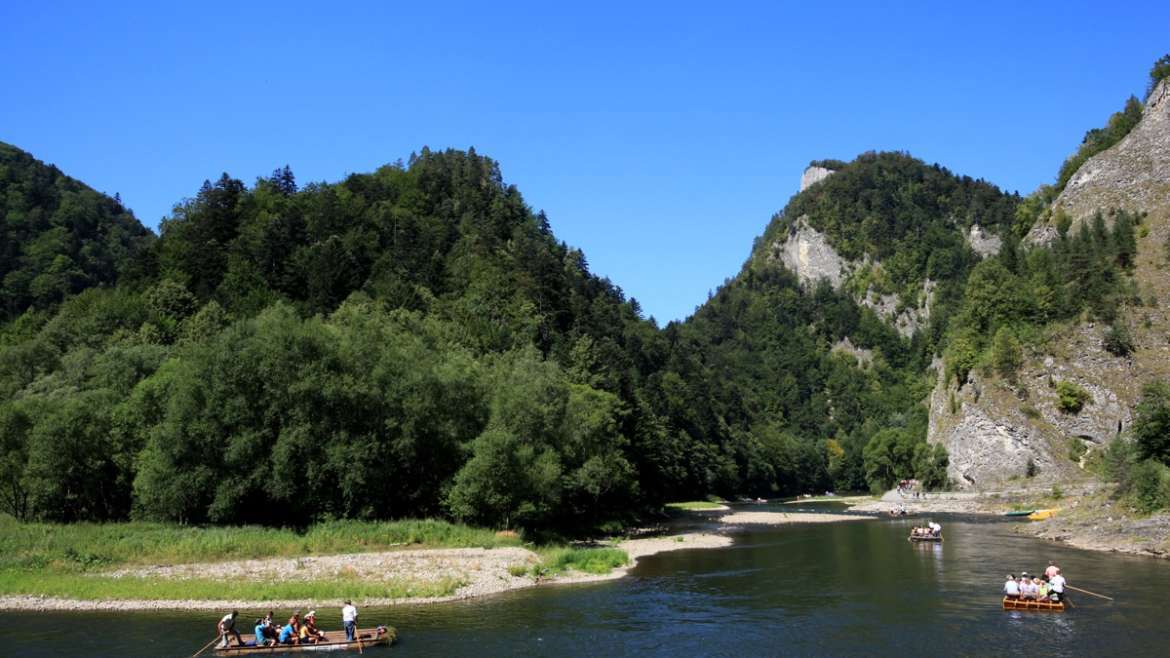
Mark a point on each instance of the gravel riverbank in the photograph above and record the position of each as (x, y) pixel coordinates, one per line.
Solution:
(481, 571)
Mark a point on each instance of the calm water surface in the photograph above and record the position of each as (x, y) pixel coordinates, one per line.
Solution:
(843, 589)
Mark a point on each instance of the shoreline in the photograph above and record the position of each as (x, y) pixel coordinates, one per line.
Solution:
(487, 572)
(1087, 518)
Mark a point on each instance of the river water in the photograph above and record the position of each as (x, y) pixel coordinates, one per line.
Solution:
(849, 589)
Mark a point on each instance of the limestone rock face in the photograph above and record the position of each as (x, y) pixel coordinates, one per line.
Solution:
(807, 253)
(813, 175)
(983, 243)
(1134, 174)
(991, 427)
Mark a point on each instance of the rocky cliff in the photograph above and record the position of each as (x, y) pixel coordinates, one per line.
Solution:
(1134, 174)
(998, 432)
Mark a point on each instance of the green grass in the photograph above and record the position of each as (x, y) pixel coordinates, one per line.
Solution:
(69, 560)
(92, 546)
(88, 587)
(556, 561)
(695, 505)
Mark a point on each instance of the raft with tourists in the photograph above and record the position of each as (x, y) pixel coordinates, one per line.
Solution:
(384, 636)
(931, 532)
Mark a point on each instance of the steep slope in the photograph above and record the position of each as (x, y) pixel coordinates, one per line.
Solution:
(998, 431)
(57, 235)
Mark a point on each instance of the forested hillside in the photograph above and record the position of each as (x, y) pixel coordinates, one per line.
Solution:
(59, 237)
(415, 341)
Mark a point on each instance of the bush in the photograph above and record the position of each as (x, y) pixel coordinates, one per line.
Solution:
(1151, 423)
(1118, 340)
(1006, 355)
(1076, 449)
(1150, 486)
(1072, 398)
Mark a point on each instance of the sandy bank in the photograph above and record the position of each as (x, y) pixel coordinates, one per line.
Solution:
(483, 572)
(784, 518)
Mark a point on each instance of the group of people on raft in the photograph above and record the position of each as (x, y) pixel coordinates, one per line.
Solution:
(298, 630)
(931, 530)
(1048, 586)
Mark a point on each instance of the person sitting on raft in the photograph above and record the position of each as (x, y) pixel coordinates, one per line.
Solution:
(935, 529)
(1041, 589)
(262, 639)
(309, 633)
(287, 635)
(1011, 589)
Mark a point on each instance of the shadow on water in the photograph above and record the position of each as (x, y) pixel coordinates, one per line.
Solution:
(855, 588)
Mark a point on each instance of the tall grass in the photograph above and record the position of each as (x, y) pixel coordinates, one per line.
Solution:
(555, 561)
(86, 587)
(91, 546)
(695, 505)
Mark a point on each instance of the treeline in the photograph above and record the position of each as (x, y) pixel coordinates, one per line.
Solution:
(415, 341)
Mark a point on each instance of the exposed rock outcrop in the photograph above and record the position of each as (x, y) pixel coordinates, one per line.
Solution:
(993, 429)
(813, 175)
(807, 253)
(983, 243)
(1134, 174)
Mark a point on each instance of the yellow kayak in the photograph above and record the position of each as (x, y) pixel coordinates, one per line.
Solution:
(1041, 514)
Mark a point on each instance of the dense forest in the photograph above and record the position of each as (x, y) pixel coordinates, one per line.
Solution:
(415, 341)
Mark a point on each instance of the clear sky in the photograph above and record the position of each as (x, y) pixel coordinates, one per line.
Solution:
(659, 138)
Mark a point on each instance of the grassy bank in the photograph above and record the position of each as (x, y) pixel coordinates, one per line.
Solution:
(555, 561)
(92, 546)
(103, 588)
(696, 506)
(75, 560)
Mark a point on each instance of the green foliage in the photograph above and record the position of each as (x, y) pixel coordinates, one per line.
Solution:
(1151, 422)
(1158, 72)
(59, 237)
(1149, 486)
(1117, 340)
(1076, 449)
(901, 212)
(1071, 397)
(1099, 139)
(593, 560)
(1006, 355)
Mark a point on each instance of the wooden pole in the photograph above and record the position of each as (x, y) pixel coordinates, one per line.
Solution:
(207, 645)
(358, 634)
(1085, 591)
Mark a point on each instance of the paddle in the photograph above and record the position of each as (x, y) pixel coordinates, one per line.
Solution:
(217, 637)
(358, 634)
(1085, 591)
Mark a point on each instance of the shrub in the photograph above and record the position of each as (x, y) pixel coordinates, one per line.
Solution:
(1072, 398)
(1006, 355)
(1030, 411)
(1150, 486)
(1118, 340)
(1076, 449)
(1151, 423)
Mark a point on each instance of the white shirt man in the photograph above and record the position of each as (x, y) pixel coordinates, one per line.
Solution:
(1011, 588)
(349, 620)
(1056, 586)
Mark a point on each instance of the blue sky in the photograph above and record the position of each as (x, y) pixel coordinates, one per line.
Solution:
(659, 138)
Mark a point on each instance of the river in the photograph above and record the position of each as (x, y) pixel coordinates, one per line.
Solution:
(855, 588)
